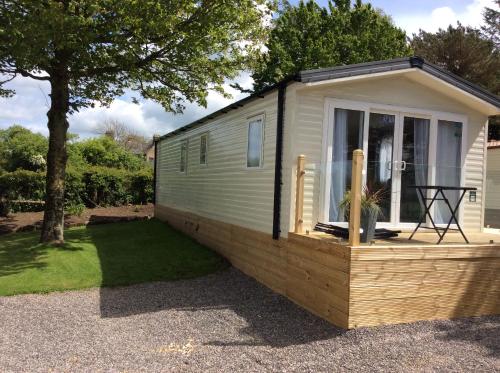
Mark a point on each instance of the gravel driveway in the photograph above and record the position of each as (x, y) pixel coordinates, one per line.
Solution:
(222, 322)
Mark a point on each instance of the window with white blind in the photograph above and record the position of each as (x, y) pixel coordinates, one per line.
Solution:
(203, 149)
(255, 142)
(183, 159)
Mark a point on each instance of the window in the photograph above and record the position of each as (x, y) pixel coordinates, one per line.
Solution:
(183, 161)
(203, 148)
(254, 148)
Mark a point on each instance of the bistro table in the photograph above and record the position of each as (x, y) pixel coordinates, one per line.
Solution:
(439, 190)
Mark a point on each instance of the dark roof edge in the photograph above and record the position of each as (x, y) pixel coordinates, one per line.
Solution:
(234, 105)
(309, 76)
(462, 83)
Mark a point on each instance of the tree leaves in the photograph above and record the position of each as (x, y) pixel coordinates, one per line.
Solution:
(464, 51)
(168, 51)
(308, 37)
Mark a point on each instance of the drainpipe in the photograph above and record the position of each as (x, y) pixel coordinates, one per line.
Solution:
(278, 162)
(156, 138)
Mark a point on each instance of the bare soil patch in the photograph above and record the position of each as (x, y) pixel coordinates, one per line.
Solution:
(32, 221)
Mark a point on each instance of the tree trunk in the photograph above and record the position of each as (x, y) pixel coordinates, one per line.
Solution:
(53, 218)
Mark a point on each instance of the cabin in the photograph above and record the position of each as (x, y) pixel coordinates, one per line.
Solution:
(253, 180)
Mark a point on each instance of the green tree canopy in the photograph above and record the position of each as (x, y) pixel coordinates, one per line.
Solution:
(464, 51)
(491, 29)
(93, 50)
(22, 149)
(470, 53)
(104, 151)
(308, 36)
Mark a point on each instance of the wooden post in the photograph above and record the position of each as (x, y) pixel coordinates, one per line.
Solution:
(355, 206)
(299, 194)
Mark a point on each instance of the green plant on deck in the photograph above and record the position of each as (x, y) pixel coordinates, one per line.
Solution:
(370, 201)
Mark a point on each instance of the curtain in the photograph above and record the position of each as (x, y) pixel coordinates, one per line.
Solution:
(385, 159)
(420, 153)
(339, 165)
(448, 165)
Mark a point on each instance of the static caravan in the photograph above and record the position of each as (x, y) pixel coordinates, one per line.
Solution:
(229, 179)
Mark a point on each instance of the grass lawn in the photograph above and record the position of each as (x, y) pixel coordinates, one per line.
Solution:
(102, 255)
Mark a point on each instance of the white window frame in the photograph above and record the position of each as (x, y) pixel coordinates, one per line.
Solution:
(205, 136)
(184, 142)
(368, 107)
(252, 119)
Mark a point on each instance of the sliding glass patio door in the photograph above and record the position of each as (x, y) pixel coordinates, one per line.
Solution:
(413, 167)
(381, 159)
(347, 137)
(397, 159)
(402, 149)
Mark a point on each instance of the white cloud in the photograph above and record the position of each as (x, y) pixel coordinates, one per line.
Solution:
(29, 107)
(441, 17)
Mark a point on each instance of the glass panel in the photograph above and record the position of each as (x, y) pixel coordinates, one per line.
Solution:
(254, 143)
(203, 149)
(183, 162)
(380, 162)
(347, 137)
(415, 171)
(448, 165)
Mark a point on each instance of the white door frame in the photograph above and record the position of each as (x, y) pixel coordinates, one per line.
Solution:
(400, 112)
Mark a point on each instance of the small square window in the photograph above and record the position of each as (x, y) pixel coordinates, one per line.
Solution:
(183, 160)
(203, 148)
(255, 142)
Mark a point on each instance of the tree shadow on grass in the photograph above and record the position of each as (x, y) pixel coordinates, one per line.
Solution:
(19, 253)
(22, 251)
(271, 319)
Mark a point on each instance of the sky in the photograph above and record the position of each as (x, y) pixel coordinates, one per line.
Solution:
(30, 104)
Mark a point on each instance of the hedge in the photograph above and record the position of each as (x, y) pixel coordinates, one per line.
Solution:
(95, 186)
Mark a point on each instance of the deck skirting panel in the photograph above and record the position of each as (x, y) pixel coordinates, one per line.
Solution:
(316, 278)
(390, 285)
(357, 286)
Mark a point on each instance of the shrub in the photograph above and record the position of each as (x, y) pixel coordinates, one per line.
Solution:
(22, 149)
(74, 190)
(27, 206)
(95, 186)
(75, 209)
(5, 206)
(23, 185)
(105, 187)
(141, 186)
(105, 152)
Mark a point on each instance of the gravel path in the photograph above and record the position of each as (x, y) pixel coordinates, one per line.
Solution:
(222, 322)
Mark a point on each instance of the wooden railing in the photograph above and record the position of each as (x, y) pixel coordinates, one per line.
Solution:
(355, 204)
(299, 195)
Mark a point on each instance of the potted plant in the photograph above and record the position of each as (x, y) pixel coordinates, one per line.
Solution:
(370, 210)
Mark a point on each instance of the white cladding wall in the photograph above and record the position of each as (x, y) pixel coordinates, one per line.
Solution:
(307, 135)
(493, 179)
(224, 189)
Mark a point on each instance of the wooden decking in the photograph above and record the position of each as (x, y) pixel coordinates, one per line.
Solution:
(425, 238)
(400, 280)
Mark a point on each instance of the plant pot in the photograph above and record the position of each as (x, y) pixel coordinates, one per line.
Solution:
(368, 223)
